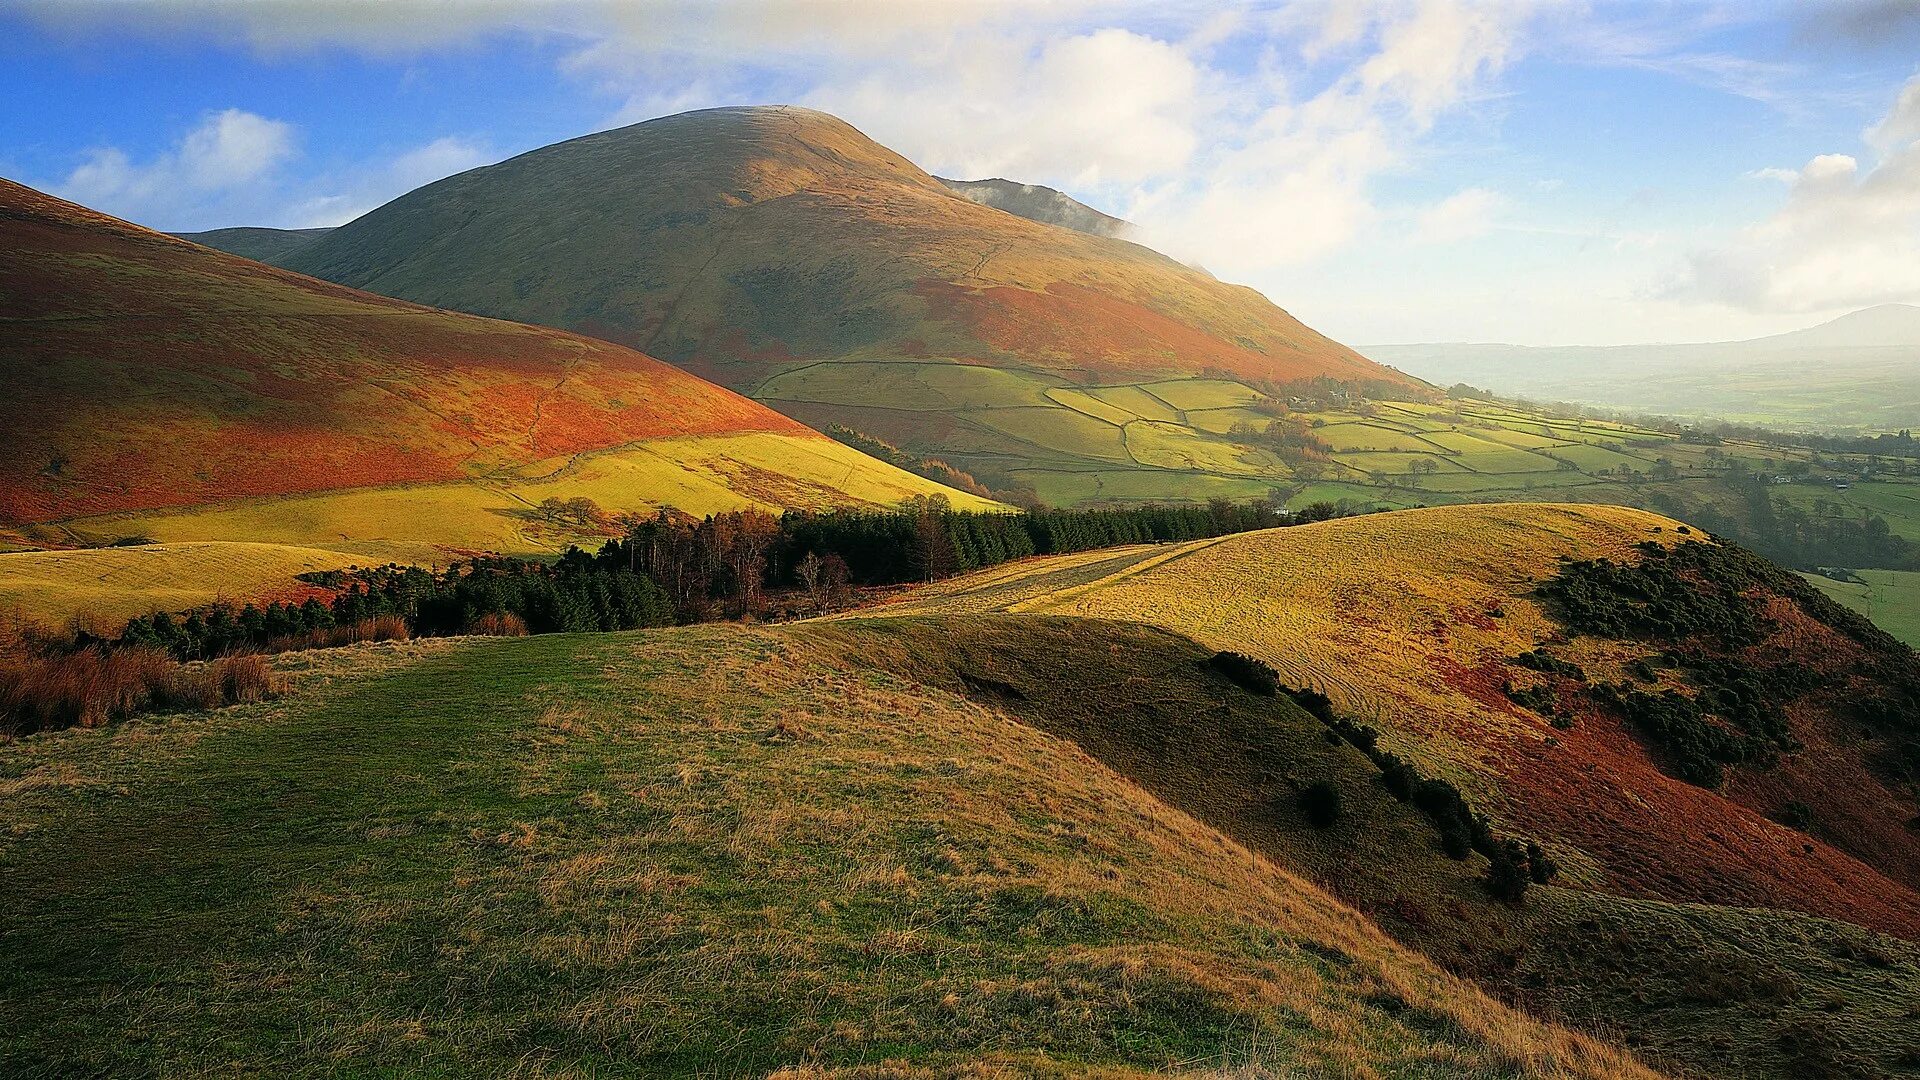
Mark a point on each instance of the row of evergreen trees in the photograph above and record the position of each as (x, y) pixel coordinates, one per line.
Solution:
(675, 568)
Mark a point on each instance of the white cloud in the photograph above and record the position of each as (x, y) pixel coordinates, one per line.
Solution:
(228, 149)
(1292, 183)
(1461, 216)
(1105, 107)
(1847, 235)
(233, 169)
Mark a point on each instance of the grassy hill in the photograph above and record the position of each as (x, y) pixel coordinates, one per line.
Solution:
(1021, 821)
(165, 390)
(704, 851)
(1417, 623)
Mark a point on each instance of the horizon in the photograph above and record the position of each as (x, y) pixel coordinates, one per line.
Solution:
(1418, 171)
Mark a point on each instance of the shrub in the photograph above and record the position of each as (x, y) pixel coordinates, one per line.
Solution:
(1507, 872)
(1542, 661)
(1320, 802)
(498, 624)
(95, 686)
(1247, 673)
(1540, 866)
(1797, 815)
(378, 628)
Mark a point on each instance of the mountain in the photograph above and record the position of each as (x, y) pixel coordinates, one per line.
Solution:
(1037, 203)
(166, 390)
(782, 253)
(271, 246)
(1858, 372)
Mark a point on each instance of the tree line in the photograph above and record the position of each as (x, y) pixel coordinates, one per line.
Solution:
(674, 568)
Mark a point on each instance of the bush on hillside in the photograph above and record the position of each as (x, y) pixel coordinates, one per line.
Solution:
(1247, 673)
(1320, 802)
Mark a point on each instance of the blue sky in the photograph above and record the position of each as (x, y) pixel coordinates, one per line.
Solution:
(1389, 170)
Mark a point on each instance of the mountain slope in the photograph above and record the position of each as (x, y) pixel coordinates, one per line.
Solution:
(1038, 203)
(780, 252)
(156, 376)
(271, 246)
(1392, 616)
(1859, 371)
(1416, 624)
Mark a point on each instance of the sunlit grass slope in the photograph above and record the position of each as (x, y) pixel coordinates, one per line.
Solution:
(1411, 620)
(706, 851)
(117, 583)
(145, 373)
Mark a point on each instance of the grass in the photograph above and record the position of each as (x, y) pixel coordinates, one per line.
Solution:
(713, 849)
(1891, 598)
(697, 474)
(118, 583)
(1409, 620)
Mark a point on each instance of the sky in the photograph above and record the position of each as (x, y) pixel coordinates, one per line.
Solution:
(1550, 172)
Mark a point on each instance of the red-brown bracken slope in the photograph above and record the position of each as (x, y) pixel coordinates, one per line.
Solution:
(143, 371)
(746, 240)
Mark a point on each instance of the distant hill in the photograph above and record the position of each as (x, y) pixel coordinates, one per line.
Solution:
(1859, 371)
(261, 245)
(782, 253)
(163, 389)
(1037, 203)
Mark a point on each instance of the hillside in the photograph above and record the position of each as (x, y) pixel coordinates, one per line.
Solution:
(780, 252)
(681, 852)
(166, 390)
(1419, 623)
(270, 246)
(1036, 202)
(1856, 372)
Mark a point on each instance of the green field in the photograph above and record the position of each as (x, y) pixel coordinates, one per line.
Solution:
(1891, 598)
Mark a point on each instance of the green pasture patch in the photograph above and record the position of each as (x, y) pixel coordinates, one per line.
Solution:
(1169, 446)
(1059, 430)
(1138, 402)
(1189, 395)
(1082, 402)
(1366, 435)
(1221, 421)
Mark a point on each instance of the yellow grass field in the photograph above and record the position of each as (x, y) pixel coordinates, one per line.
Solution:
(119, 583)
(1370, 610)
(696, 474)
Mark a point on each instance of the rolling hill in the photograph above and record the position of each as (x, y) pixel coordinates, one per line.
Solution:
(164, 390)
(1856, 372)
(1021, 822)
(261, 245)
(780, 252)
(1433, 627)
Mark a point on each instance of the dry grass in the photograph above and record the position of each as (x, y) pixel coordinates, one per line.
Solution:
(93, 687)
(378, 628)
(497, 624)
